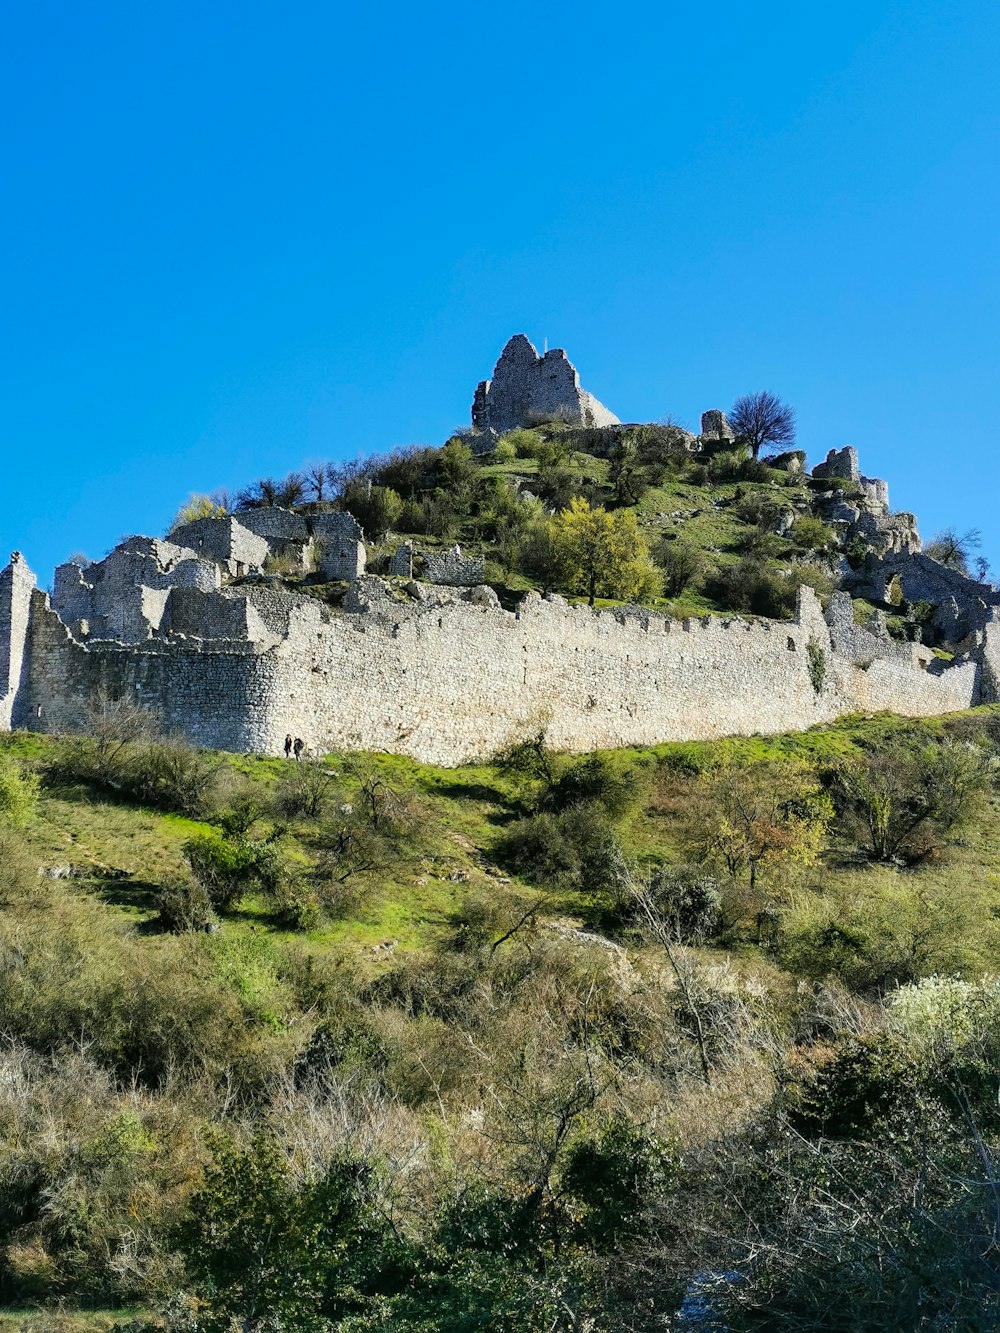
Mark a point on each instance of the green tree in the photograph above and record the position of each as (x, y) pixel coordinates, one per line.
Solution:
(751, 821)
(601, 554)
(901, 801)
(267, 1252)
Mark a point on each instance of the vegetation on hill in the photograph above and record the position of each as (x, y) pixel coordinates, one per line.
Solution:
(547, 1043)
(551, 508)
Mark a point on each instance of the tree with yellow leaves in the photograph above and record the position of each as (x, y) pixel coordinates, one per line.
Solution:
(199, 506)
(601, 554)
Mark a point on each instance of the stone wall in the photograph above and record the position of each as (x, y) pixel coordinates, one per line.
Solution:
(340, 548)
(225, 540)
(447, 675)
(527, 388)
(449, 567)
(963, 604)
(125, 596)
(17, 585)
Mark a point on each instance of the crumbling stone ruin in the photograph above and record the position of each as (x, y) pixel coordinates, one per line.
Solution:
(715, 427)
(202, 630)
(527, 388)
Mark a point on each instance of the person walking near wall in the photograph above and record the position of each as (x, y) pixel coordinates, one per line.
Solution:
(288, 746)
(298, 747)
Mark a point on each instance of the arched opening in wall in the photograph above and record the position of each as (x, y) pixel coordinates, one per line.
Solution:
(894, 591)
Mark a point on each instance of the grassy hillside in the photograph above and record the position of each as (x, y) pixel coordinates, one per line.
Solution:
(365, 1044)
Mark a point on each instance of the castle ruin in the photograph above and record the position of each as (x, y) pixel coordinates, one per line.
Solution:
(527, 388)
(426, 661)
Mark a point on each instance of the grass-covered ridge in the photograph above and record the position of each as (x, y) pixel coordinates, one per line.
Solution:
(365, 1044)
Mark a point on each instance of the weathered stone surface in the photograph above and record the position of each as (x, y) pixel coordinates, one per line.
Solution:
(527, 388)
(447, 674)
(225, 540)
(17, 585)
(449, 567)
(340, 549)
(841, 463)
(715, 426)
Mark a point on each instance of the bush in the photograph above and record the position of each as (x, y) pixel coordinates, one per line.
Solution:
(228, 865)
(812, 534)
(18, 793)
(172, 775)
(504, 451)
(688, 900)
(377, 508)
(307, 789)
(902, 801)
(575, 849)
(681, 565)
(606, 781)
(185, 906)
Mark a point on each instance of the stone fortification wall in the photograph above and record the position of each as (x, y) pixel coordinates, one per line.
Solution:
(527, 388)
(125, 596)
(843, 463)
(220, 699)
(340, 548)
(451, 676)
(17, 585)
(963, 605)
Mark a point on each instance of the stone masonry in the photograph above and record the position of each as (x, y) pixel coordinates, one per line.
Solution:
(527, 388)
(447, 674)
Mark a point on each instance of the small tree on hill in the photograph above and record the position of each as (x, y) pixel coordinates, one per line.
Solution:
(198, 506)
(601, 554)
(762, 418)
(954, 549)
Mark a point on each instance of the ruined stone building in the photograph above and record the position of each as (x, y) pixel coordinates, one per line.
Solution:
(527, 388)
(425, 660)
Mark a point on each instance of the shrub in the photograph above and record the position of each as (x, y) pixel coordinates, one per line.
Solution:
(18, 793)
(229, 866)
(504, 451)
(681, 565)
(172, 775)
(525, 443)
(307, 789)
(812, 534)
(185, 906)
(902, 800)
(377, 508)
(688, 900)
(575, 849)
(606, 781)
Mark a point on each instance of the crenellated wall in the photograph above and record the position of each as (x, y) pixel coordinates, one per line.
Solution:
(447, 675)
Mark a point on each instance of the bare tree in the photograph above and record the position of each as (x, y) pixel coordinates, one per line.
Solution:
(954, 549)
(267, 492)
(319, 480)
(762, 418)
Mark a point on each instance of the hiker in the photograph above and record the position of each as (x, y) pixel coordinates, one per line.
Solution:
(298, 747)
(288, 747)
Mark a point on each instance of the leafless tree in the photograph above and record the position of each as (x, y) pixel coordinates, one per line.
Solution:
(319, 480)
(762, 418)
(954, 549)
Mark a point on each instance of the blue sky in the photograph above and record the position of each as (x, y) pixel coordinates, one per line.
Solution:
(239, 236)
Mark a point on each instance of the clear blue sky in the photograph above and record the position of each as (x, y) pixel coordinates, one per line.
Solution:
(239, 236)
